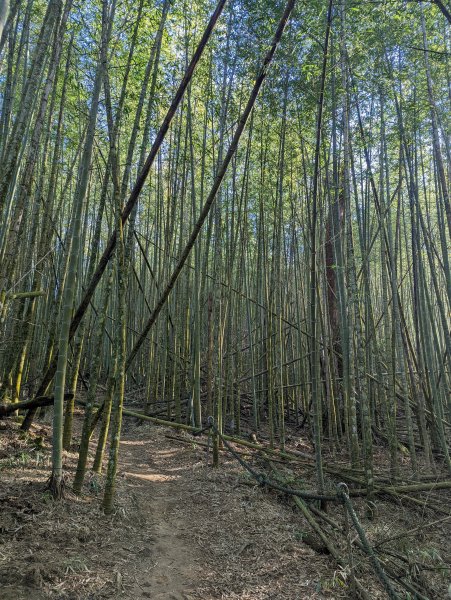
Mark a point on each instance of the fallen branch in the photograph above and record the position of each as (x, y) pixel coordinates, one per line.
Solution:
(7, 409)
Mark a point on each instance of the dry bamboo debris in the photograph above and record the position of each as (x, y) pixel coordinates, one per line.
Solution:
(395, 574)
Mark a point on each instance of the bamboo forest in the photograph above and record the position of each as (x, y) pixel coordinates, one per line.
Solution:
(225, 299)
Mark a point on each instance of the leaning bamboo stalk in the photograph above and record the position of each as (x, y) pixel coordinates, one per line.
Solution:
(217, 182)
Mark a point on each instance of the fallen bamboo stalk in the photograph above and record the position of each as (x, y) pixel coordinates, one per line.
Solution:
(7, 409)
(24, 295)
(390, 570)
(405, 489)
(333, 551)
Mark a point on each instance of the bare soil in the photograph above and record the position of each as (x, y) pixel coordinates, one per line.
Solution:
(182, 530)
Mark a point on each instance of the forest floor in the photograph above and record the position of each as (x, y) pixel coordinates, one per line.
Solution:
(182, 530)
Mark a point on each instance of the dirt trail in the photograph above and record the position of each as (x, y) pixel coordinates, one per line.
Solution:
(210, 533)
(169, 566)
